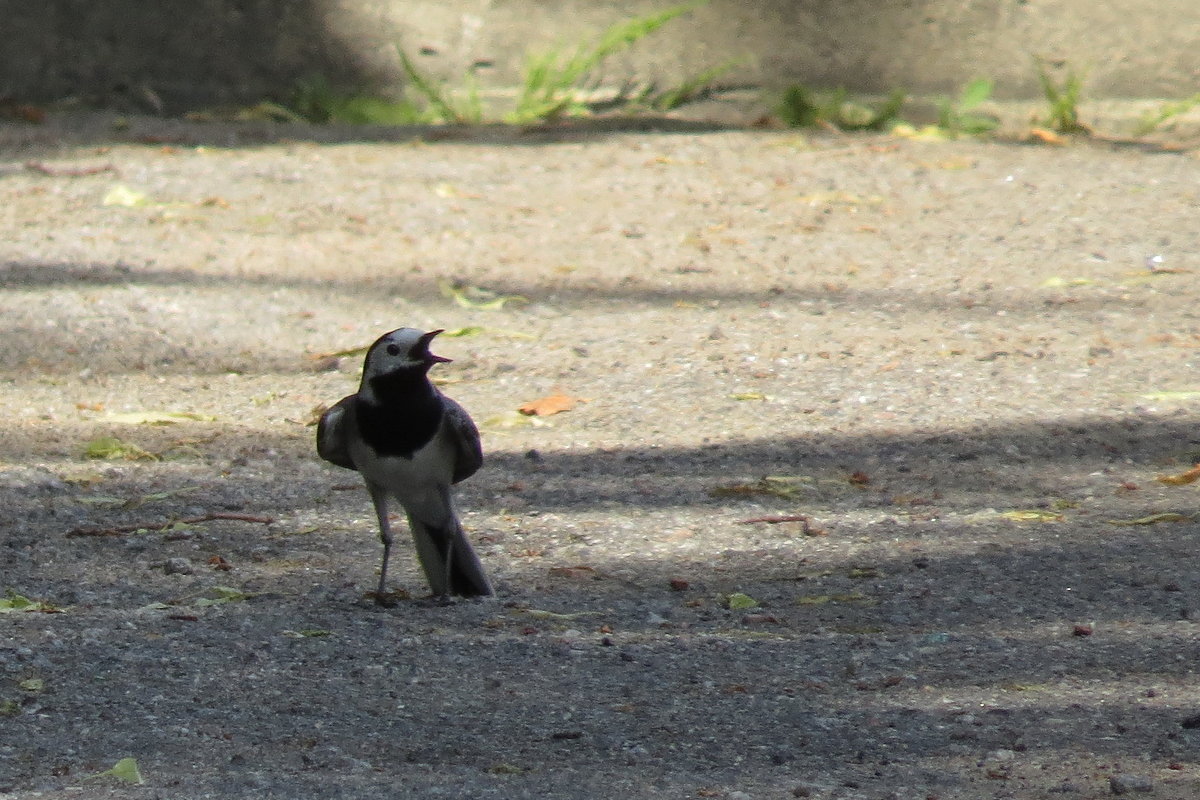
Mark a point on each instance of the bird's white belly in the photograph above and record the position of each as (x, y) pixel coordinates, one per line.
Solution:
(418, 483)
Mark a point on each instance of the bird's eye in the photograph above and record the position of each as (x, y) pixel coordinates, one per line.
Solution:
(393, 349)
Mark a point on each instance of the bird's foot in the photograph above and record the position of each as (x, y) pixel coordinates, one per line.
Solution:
(387, 599)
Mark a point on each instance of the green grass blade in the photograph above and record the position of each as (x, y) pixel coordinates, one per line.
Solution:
(693, 87)
(974, 93)
(438, 102)
(550, 84)
(1167, 112)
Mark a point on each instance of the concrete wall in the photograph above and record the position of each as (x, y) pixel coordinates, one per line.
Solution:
(191, 52)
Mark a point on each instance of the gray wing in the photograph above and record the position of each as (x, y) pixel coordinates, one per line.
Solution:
(468, 449)
(333, 433)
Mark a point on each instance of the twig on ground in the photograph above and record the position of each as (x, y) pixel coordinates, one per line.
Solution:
(118, 530)
(67, 172)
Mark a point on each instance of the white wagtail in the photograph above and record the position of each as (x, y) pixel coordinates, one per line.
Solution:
(410, 442)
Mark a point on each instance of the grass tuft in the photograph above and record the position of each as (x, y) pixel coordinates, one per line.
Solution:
(443, 107)
(1167, 112)
(1062, 99)
(554, 83)
(961, 117)
(801, 107)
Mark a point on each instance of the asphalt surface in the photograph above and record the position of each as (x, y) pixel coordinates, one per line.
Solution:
(857, 497)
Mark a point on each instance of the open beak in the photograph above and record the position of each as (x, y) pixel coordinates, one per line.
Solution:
(425, 340)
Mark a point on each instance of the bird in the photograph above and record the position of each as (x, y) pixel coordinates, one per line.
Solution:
(410, 443)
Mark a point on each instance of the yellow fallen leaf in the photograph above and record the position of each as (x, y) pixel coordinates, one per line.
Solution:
(450, 191)
(85, 477)
(479, 299)
(18, 602)
(1169, 396)
(1032, 515)
(157, 417)
(927, 133)
(475, 330)
(739, 602)
(839, 198)
(470, 330)
(122, 195)
(503, 422)
(1057, 282)
(110, 447)
(124, 770)
(955, 163)
(1182, 479)
(783, 486)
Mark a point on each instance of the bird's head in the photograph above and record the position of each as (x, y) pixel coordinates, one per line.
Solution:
(402, 351)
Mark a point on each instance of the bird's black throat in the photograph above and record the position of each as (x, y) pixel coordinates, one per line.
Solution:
(404, 414)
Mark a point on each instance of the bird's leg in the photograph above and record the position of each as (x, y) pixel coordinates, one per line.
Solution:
(379, 498)
(449, 563)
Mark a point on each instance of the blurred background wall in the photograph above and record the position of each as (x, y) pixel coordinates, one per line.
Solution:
(193, 52)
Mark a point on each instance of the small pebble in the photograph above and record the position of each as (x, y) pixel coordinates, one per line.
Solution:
(179, 566)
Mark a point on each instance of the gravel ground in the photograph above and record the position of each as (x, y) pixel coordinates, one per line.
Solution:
(963, 364)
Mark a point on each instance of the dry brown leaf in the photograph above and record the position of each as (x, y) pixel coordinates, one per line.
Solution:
(1182, 479)
(546, 406)
(24, 112)
(1045, 136)
(315, 415)
(785, 486)
(221, 563)
(68, 172)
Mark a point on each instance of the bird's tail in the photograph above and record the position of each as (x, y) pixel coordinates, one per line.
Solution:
(449, 561)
